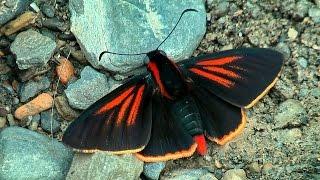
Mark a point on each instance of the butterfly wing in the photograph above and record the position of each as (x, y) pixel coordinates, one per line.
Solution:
(221, 120)
(239, 76)
(168, 139)
(120, 122)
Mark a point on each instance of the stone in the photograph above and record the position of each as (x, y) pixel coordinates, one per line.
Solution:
(301, 9)
(37, 105)
(49, 122)
(48, 10)
(292, 34)
(135, 27)
(190, 174)
(254, 167)
(29, 155)
(267, 167)
(234, 174)
(65, 70)
(153, 170)
(314, 13)
(288, 135)
(32, 49)
(88, 89)
(3, 121)
(16, 25)
(284, 49)
(32, 87)
(11, 120)
(208, 176)
(63, 108)
(290, 113)
(303, 62)
(102, 165)
(11, 9)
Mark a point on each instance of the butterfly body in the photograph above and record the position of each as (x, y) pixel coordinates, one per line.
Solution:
(167, 112)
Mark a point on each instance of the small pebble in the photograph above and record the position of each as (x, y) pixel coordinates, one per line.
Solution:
(314, 13)
(292, 34)
(153, 170)
(35, 7)
(64, 109)
(32, 87)
(65, 70)
(254, 167)
(303, 62)
(4, 111)
(48, 10)
(208, 176)
(266, 167)
(78, 55)
(49, 122)
(234, 174)
(3, 121)
(37, 105)
(218, 164)
(34, 122)
(11, 120)
(22, 21)
(54, 24)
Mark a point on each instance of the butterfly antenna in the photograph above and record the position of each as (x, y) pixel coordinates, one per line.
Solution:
(183, 12)
(135, 54)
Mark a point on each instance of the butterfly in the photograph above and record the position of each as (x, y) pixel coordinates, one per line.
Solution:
(168, 112)
(165, 113)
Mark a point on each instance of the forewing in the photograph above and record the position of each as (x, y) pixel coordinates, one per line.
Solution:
(120, 122)
(239, 76)
(168, 139)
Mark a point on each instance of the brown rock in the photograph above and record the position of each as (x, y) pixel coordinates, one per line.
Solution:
(3, 122)
(64, 109)
(20, 22)
(37, 105)
(65, 70)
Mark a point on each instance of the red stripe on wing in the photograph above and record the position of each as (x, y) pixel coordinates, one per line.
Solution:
(219, 61)
(123, 109)
(222, 71)
(114, 102)
(136, 105)
(155, 72)
(220, 80)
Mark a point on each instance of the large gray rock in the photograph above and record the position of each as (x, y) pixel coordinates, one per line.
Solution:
(104, 166)
(9, 9)
(133, 27)
(25, 154)
(32, 49)
(88, 89)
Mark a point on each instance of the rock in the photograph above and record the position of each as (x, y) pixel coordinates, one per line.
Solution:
(16, 25)
(288, 135)
(35, 7)
(30, 155)
(64, 109)
(65, 70)
(87, 90)
(267, 167)
(32, 87)
(47, 119)
(35, 122)
(135, 27)
(234, 174)
(32, 49)
(314, 13)
(290, 113)
(37, 105)
(190, 174)
(48, 10)
(208, 176)
(254, 167)
(11, 120)
(3, 121)
(54, 24)
(292, 34)
(284, 49)
(102, 165)
(303, 62)
(153, 170)
(301, 9)
(11, 9)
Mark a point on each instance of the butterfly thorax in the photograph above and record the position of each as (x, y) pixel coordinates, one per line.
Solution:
(166, 75)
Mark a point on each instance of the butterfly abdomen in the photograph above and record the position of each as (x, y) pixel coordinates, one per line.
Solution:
(186, 111)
